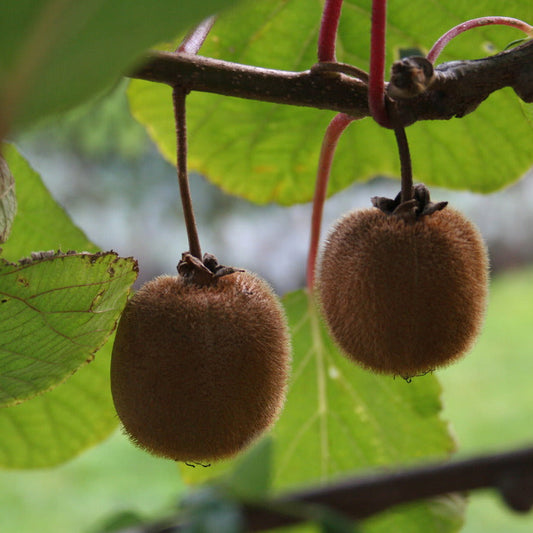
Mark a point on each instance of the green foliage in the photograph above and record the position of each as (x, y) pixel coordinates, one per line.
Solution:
(480, 395)
(57, 311)
(251, 477)
(340, 419)
(210, 510)
(494, 381)
(57, 53)
(58, 425)
(268, 152)
(41, 223)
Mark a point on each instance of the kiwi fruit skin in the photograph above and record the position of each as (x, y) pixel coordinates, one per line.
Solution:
(404, 297)
(199, 372)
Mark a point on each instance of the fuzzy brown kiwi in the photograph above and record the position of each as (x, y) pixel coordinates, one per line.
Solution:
(403, 287)
(200, 363)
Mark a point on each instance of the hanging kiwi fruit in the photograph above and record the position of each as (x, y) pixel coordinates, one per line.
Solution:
(403, 285)
(201, 360)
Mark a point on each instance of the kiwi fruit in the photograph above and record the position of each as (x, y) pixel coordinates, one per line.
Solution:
(200, 362)
(403, 286)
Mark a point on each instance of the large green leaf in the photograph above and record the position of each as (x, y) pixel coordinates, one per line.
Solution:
(41, 223)
(56, 311)
(340, 419)
(57, 53)
(60, 423)
(268, 152)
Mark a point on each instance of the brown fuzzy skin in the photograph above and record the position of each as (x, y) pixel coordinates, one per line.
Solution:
(199, 372)
(404, 297)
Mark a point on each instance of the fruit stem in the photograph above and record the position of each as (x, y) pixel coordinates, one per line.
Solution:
(475, 23)
(376, 82)
(406, 166)
(179, 95)
(328, 30)
(327, 151)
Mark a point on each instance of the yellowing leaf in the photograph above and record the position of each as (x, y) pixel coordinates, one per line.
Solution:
(269, 152)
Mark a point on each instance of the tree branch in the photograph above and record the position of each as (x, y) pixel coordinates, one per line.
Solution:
(458, 87)
(511, 473)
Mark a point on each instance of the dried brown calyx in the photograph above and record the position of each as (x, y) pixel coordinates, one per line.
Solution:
(204, 272)
(411, 210)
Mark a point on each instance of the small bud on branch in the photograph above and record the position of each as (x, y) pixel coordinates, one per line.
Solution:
(457, 89)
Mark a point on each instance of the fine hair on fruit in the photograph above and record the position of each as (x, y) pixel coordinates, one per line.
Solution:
(199, 370)
(403, 294)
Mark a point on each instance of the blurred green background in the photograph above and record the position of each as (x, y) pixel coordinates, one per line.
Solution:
(100, 165)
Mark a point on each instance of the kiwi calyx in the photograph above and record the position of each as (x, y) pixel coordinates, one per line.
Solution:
(203, 272)
(418, 206)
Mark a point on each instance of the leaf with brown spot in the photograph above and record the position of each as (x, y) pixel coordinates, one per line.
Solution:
(56, 311)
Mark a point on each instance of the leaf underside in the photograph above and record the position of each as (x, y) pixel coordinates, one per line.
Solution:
(268, 153)
(58, 310)
(58, 53)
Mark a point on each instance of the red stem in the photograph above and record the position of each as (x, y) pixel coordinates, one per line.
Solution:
(328, 30)
(376, 82)
(475, 23)
(329, 143)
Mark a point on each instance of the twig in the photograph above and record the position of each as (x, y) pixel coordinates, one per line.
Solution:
(459, 86)
(510, 473)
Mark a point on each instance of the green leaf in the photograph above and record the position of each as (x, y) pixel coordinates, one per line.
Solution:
(56, 311)
(334, 523)
(41, 223)
(252, 474)
(268, 152)
(8, 200)
(57, 53)
(211, 511)
(119, 522)
(60, 424)
(340, 420)
(439, 515)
